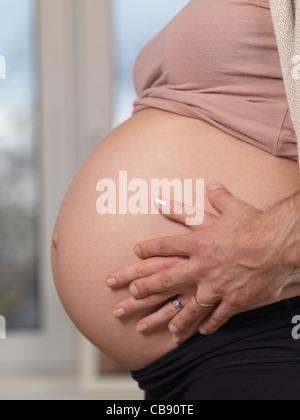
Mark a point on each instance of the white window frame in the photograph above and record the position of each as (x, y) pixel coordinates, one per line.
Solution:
(75, 80)
(74, 112)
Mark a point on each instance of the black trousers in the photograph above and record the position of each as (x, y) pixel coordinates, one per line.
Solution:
(254, 356)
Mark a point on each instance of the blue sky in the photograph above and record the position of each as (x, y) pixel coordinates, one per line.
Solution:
(17, 46)
(135, 23)
(12, 13)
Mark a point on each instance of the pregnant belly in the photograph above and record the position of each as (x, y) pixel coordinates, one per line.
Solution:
(87, 246)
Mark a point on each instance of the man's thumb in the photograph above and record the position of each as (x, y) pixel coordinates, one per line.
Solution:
(219, 197)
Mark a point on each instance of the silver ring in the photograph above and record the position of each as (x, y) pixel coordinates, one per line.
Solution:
(177, 305)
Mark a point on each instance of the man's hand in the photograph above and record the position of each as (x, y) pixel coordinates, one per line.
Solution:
(236, 262)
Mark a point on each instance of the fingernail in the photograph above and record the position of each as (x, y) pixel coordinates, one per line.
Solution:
(173, 329)
(176, 339)
(141, 328)
(119, 313)
(161, 202)
(202, 331)
(215, 186)
(111, 282)
(133, 291)
(138, 251)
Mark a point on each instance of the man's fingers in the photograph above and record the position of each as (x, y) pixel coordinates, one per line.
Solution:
(164, 247)
(142, 269)
(167, 280)
(208, 320)
(181, 213)
(219, 197)
(188, 319)
(184, 214)
(217, 319)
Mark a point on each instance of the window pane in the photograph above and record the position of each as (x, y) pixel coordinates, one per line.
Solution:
(135, 23)
(19, 171)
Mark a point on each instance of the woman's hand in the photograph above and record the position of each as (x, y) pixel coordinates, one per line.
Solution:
(236, 262)
(160, 304)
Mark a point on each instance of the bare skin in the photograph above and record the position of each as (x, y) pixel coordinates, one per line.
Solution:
(237, 261)
(88, 247)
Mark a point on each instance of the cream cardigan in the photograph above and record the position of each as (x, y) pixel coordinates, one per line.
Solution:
(286, 18)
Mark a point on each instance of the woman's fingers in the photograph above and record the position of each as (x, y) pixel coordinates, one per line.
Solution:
(163, 316)
(142, 269)
(168, 280)
(130, 305)
(159, 318)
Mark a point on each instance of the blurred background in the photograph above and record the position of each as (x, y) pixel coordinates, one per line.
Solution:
(65, 83)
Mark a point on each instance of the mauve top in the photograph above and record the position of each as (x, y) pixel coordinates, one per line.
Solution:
(218, 61)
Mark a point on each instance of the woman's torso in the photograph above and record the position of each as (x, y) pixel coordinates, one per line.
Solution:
(218, 61)
(155, 144)
(152, 145)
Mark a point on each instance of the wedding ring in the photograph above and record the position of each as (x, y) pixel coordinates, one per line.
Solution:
(177, 305)
(203, 305)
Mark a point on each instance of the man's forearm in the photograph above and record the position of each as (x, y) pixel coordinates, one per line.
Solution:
(285, 219)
